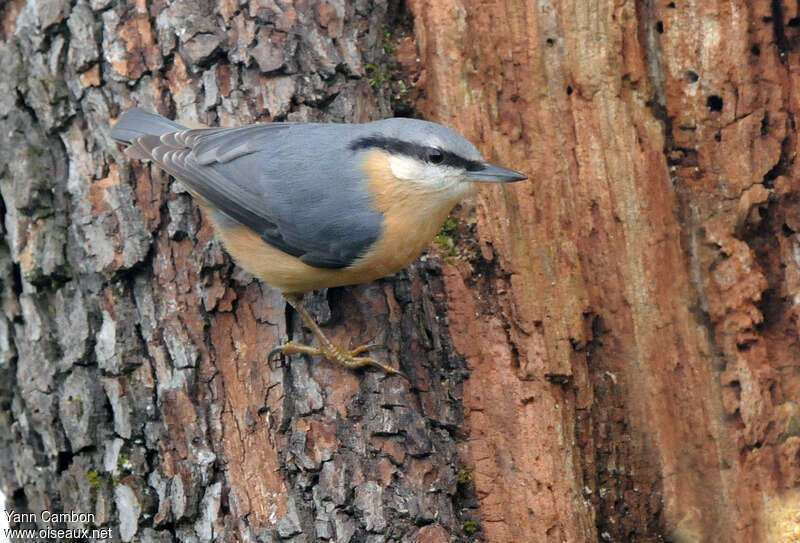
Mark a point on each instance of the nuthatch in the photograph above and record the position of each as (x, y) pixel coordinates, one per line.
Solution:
(305, 206)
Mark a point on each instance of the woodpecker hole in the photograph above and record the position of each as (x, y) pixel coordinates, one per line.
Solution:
(714, 103)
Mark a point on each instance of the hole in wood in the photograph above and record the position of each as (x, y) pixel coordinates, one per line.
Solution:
(714, 103)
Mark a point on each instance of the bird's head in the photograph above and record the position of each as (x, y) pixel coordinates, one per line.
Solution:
(434, 157)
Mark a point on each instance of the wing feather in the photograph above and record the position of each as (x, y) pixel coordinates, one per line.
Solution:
(277, 180)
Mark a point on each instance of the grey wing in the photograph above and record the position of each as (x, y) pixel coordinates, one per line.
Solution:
(280, 185)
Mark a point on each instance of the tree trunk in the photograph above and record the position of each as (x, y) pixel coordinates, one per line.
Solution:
(639, 364)
(608, 352)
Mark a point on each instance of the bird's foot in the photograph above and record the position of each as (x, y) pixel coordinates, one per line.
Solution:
(349, 359)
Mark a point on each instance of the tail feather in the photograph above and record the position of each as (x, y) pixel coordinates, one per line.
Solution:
(139, 122)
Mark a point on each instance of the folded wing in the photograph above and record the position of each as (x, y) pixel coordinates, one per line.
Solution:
(295, 185)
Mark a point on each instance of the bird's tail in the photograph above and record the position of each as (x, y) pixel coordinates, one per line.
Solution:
(141, 130)
(139, 122)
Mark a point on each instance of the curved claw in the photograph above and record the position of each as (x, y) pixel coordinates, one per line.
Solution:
(389, 370)
(398, 373)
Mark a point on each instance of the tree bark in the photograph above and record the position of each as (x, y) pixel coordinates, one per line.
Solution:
(608, 352)
(135, 378)
(637, 370)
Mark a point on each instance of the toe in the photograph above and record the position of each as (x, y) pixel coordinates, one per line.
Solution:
(364, 348)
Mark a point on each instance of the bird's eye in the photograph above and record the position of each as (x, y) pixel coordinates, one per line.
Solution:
(435, 155)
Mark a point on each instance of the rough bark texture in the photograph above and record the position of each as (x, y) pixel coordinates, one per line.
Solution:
(637, 363)
(607, 353)
(135, 382)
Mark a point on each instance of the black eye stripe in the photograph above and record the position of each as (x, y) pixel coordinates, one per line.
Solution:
(413, 150)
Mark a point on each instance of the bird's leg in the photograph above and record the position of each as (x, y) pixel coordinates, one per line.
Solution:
(349, 359)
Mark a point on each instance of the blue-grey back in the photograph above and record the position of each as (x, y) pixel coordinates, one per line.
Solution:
(301, 187)
(307, 182)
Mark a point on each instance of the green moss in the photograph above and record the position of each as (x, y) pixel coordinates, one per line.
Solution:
(448, 240)
(386, 74)
(378, 75)
(470, 527)
(94, 479)
(446, 244)
(446, 237)
(449, 227)
(464, 475)
(124, 463)
(389, 47)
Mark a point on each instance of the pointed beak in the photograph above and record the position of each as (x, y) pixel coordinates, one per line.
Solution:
(489, 173)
